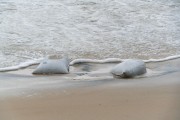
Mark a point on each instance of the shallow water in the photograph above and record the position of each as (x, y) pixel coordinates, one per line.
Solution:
(88, 29)
(23, 82)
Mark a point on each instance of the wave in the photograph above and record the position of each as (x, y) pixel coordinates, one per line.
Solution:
(21, 65)
(163, 59)
(80, 61)
(109, 60)
(112, 60)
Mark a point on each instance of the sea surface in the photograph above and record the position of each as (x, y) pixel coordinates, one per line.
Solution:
(95, 29)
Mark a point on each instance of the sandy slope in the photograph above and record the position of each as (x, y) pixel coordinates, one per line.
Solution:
(103, 102)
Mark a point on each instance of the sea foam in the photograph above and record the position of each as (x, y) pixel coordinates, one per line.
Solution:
(81, 61)
(21, 65)
(88, 29)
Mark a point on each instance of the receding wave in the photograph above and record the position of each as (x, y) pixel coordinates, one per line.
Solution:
(111, 60)
(80, 61)
(21, 65)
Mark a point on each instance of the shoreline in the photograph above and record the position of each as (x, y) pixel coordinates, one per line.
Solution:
(83, 61)
(95, 95)
(80, 73)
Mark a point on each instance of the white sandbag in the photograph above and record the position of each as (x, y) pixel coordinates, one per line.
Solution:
(129, 68)
(53, 66)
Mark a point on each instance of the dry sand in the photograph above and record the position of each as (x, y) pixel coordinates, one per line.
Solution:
(146, 98)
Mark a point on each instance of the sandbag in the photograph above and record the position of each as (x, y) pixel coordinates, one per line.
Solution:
(53, 66)
(129, 68)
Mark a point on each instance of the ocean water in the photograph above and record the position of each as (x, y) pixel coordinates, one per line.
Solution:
(95, 29)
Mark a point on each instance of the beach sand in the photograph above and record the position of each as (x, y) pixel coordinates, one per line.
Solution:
(28, 97)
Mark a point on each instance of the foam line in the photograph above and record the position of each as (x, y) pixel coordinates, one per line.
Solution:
(109, 60)
(22, 65)
(112, 60)
(78, 61)
(163, 59)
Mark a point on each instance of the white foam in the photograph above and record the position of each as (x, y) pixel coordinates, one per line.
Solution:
(99, 29)
(163, 59)
(20, 66)
(112, 60)
(79, 61)
(109, 60)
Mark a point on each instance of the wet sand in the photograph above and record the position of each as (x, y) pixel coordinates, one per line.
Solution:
(63, 98)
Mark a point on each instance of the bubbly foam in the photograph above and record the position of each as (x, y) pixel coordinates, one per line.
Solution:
(92, 29)
(81, 61)
(20, 66)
